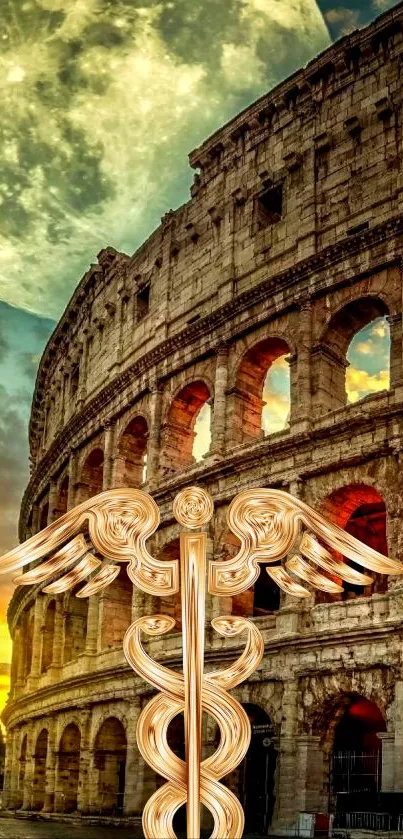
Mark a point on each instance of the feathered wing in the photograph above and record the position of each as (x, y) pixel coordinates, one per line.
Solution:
(117, 523)
(270, 525)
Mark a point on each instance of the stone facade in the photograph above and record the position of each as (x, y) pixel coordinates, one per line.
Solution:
(291, 243)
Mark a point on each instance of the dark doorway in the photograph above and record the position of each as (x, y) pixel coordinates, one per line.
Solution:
(356, 759)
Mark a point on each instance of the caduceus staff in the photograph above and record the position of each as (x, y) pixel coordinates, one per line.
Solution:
(272, 527)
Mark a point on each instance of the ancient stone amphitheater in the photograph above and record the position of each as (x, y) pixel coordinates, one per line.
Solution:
(291, 243)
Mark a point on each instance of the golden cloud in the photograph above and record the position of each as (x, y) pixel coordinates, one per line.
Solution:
(359, 383)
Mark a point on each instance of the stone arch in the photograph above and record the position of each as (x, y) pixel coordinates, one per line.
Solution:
(132, 453)
(68, 768)
(75, 626)
(329, 355)
(39, 779)
(169, 605)
(360, 510)
(178, 433)
(62, 498)
(27, 625)
(22, 761)
(110, 762)
(251, 395)
(116, 610)
(91, 476)
(48, 632)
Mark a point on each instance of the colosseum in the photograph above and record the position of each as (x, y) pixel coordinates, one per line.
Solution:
(291, 243)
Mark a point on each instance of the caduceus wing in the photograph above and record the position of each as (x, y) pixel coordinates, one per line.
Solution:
(115, 525)
(271, 525)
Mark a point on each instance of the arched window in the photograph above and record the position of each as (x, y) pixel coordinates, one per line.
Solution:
(63, 496)
(133, 451)
(68, 769)
(110, 761)
(172, 604)
(91, 478)
(356, 757)
(116, 610)
(360, 510)
(43, 517)
(353, 357)
(262, 397)
(368, 356)
(75, 627)
(41, 750)
(186, 433)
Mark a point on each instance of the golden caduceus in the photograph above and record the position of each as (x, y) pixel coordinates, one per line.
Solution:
(88, 543)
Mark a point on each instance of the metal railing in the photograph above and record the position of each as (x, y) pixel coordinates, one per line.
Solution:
(363, 821)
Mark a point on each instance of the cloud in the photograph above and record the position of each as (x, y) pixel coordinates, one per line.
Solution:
(360, 383)
(343, 19)
(101, 102)
(381, 5)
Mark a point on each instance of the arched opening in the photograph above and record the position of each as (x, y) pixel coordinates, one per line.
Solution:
(48, 636)
(63, 497)
(266, 594)
(181, 434)
(170, 605)
(116, 610)
(39, 780)
(368, 356)
(253, 780)
(262, 397)
(68, 768)
(355, 762)
(91, 479)
(110, 761)
(133, 450)
(43, 517)
(21, 773)
(347, 363)
(360, 510)
(75, 627)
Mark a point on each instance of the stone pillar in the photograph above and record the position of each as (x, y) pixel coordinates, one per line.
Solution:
(154, 439)
(310, 770)
(287, 618)
(58, 638)
(218, 429)
(301, 395)
(83, 794)
(109, 437)
(36, 640)
(286, 809)
(398, 758)
(29, 772)
(91, 641)
(50, 779)
(52, 510)
(35, 518)
(132, 802)
(10, 770)
(73, 465)
(388, 761)
(118, 471)
(82, 384)
(396, 372)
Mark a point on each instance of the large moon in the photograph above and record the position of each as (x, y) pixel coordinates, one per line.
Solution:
(101, 101)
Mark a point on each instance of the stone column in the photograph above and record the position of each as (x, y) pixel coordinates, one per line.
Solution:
(73, 464)
(301, 394)
(398, 757)
(36, 641)
(218, 430)
(91, 641)
(132, 802)
(35, 518)
(82, 385)
(396, 372)
(388, 761)
(58, 638)
(154, 439)
(29, 772)
(287, 618)
(50, 778)
(310, 770)
(109, 438)
(286, 809)
(52, 510)
(83, 796)
(10, 770)
(20, 676)
(118, 471)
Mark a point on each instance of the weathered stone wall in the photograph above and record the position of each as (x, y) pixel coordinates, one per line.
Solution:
(291, 243)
